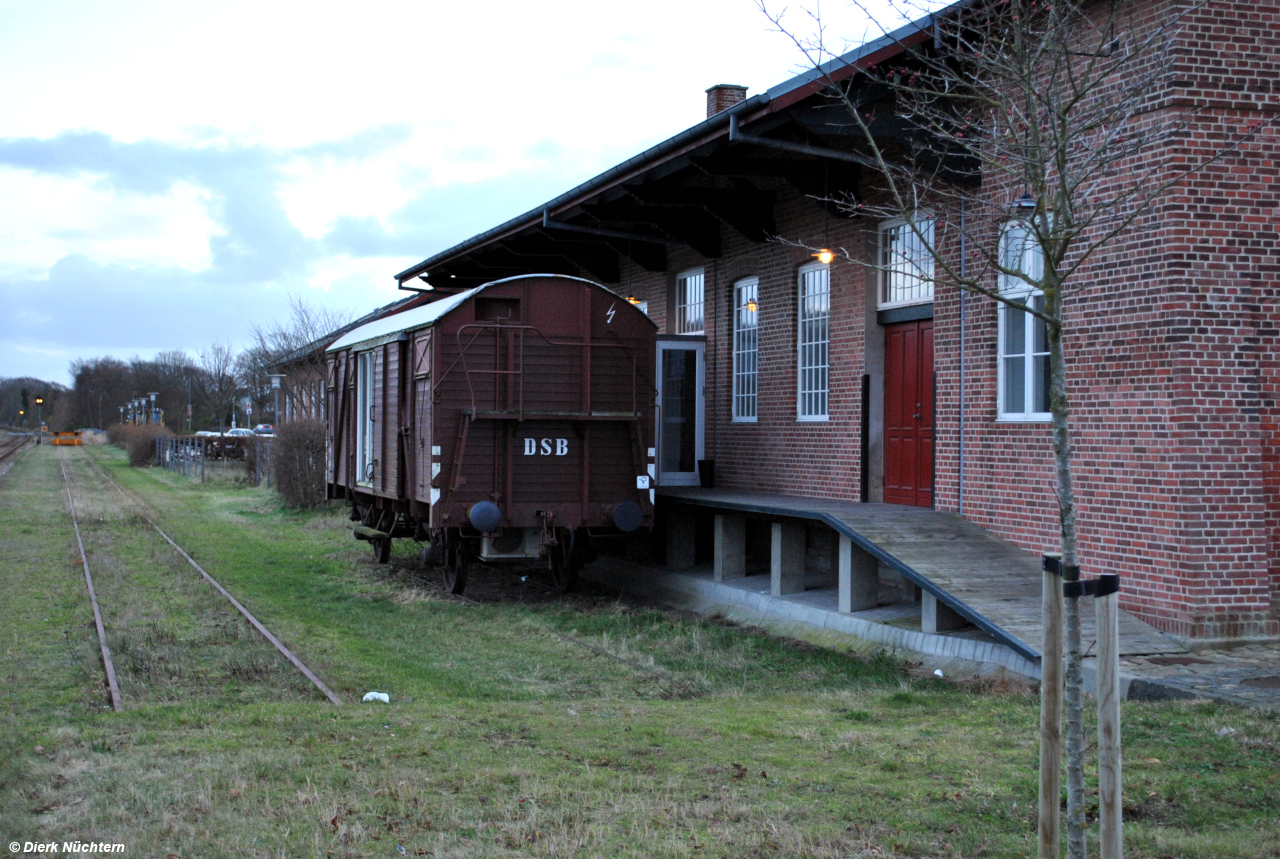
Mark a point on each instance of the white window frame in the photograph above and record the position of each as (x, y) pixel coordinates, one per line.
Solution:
(906, 270)
(691, 302)
(746, 351)
(1031, 262)
(364, 417)
(813, 353)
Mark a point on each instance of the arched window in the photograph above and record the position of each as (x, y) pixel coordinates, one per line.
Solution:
(813, 342)
(746, 345)
(1024, 338)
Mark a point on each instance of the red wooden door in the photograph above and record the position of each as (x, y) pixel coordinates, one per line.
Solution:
(908, 413)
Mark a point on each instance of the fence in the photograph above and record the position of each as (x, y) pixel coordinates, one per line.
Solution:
(185, 455)
(190, 455)
(263, 464)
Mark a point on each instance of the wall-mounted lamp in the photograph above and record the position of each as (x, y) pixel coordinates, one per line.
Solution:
(631, 299)
(824, 256)
(1025, 203)
(752, 305)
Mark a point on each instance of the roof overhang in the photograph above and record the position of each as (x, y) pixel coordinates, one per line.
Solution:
(642, 206)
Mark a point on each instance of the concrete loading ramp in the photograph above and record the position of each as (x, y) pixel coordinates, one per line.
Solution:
(960, 567)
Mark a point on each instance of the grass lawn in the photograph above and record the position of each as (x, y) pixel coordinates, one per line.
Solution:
(505, 736)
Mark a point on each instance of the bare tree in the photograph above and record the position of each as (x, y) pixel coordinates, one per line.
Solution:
(296, 347)
(101, 386)
(221, 385)
(1033, 134)
(254, 367)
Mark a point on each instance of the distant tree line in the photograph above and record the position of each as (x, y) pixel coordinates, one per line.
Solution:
(215, 384)
(18, 401)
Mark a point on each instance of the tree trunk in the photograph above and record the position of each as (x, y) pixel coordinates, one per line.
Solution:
(1074, 692)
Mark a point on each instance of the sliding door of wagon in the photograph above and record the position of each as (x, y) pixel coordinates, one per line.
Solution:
(680, 416)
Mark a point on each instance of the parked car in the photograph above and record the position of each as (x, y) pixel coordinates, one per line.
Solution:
(239, 432)
(264, 429)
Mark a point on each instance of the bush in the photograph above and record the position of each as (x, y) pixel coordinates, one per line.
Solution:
(139, 441)
(116, 434)
(299, 459)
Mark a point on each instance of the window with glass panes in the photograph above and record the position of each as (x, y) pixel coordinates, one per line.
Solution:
(746, 312)
(906, 263)
(1024, 338)
(689, 302)
(813, 342)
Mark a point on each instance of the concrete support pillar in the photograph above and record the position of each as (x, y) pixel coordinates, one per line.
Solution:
(680, 539)
(786, 571)
(859, 577)
(731, 547)
(936, 617)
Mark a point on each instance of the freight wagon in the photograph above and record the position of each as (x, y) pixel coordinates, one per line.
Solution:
(511, 422)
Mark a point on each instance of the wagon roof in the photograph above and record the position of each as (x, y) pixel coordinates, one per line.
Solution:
(389, 328)
(383, 330)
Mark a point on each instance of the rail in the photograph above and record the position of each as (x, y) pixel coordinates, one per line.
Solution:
(110, 668)
(286, 652)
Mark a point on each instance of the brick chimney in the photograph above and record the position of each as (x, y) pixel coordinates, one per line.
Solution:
(724, 96)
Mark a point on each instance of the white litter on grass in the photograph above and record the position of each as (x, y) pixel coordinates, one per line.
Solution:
(1226, 732)
(377, 696)
(937, 672)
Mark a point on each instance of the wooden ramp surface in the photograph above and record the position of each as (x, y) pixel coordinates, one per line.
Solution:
(984, 577)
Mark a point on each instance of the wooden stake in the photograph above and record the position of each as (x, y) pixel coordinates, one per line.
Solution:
(1110, 810)
(1051, 714)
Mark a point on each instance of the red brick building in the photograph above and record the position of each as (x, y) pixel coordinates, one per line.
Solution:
(835, 380)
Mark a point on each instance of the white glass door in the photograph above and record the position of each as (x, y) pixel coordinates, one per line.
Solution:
(680, 413)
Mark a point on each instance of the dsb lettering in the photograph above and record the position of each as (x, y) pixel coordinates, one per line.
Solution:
(534, 446)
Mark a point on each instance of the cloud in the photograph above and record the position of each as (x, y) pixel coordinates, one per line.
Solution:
(84, 303)
(176, 245)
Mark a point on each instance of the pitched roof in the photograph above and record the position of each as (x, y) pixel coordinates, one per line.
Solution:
(713, 127)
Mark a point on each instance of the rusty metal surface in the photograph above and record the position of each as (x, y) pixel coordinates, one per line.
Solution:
(536, 393)
(253, 621)
(112, 686)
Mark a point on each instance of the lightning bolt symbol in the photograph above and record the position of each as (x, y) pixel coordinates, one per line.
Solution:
(608, 317)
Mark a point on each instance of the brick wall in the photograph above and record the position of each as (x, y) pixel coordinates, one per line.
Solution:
(1173, 367)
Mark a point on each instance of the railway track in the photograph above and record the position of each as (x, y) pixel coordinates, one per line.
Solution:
(10, 446)
(107, 664)
(253, 621)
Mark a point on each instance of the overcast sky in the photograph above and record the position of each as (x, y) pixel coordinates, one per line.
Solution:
(172, 172)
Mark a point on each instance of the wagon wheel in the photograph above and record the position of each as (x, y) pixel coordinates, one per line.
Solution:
(456, 565)
(564, 562)
(381, 549)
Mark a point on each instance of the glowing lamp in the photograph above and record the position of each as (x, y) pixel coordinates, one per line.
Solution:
(752, 305)
(631, 299)
(825, 256)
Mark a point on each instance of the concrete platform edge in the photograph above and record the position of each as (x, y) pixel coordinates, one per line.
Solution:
(815, 625)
